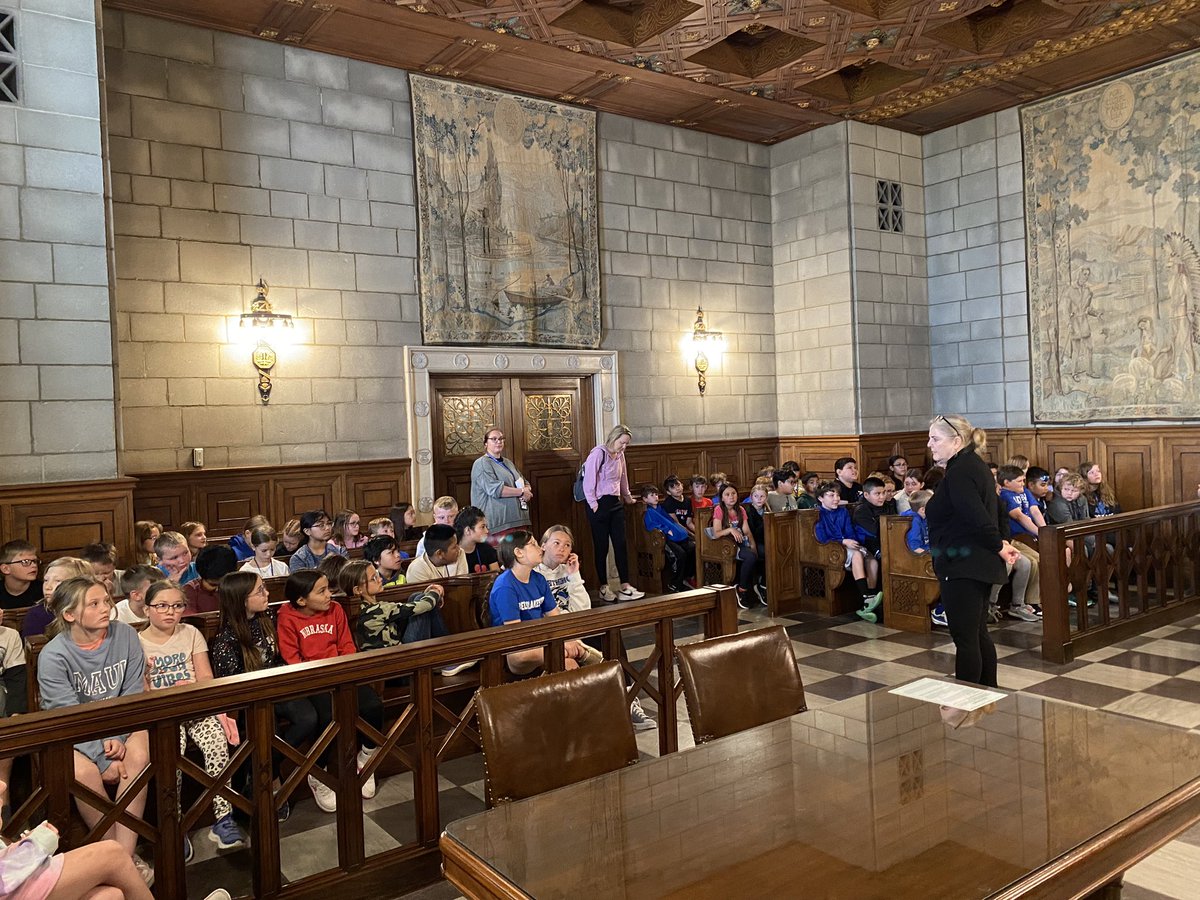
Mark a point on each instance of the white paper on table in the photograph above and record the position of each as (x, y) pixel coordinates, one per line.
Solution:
(948, 693)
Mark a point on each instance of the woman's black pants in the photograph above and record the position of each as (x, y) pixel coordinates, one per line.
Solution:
(966, 601)
(608, 523)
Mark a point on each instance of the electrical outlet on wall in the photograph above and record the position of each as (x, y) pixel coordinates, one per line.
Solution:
(198, 457)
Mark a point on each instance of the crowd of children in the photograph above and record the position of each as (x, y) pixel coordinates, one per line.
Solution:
(118, 632)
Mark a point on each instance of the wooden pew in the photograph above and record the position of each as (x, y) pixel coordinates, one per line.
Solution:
(716, 560)
(822, 571)
(909, 586)
(781, 542)
(14, 618)
(33, 646)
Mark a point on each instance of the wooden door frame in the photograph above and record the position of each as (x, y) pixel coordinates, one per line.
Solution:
(420, 363)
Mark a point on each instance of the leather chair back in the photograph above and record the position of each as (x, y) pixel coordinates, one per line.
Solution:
(738, 681)
(555, 730)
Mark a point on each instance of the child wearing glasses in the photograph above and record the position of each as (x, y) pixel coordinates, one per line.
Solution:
(176, 653)
(19, 566)
(347, 530)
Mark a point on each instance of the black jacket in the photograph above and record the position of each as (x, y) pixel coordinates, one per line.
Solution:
(964, 539)
(866, 517)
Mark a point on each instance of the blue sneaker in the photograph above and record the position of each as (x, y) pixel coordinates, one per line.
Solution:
(226, 834)
(938, 616)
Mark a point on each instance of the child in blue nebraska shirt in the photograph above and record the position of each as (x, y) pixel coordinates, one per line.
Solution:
(519, 594)
(679, 547)
(1023, 519)
(918, 540)
(834, 524)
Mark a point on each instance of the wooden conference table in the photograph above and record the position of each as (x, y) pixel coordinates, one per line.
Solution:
(872, 797)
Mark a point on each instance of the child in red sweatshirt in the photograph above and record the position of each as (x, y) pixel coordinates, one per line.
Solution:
(312, 626)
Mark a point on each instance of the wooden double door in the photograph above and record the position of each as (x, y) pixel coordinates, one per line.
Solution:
(548, 424)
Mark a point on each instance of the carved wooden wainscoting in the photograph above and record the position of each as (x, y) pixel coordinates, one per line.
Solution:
(62, 518)
(224, 498)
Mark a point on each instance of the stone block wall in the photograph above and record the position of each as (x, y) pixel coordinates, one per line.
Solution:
(975, 238)
(57, 412)
(815, 356)
(686, 222)
(890, 303)
(234, 158)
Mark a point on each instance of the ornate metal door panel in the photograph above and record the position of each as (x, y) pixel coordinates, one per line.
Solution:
(547, 422)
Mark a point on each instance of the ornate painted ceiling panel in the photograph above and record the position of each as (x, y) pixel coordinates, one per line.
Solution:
(760, 70)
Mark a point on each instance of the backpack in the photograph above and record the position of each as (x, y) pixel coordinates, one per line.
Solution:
(577, 490)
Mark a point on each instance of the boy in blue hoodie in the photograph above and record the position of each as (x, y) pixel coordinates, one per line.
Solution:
(918, 540)
(679, 547)
(834, 525)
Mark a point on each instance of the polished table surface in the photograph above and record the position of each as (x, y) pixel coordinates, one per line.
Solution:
(875, 796)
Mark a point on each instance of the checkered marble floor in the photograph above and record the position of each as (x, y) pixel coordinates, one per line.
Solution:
(1154, 676)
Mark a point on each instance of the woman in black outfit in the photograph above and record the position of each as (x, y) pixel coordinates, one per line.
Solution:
(969, 556)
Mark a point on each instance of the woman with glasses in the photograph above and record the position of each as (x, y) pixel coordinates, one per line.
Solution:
(499, 489)
(969, 555)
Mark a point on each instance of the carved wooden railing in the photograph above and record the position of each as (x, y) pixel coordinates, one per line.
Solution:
(1143, 573)
(424, 732)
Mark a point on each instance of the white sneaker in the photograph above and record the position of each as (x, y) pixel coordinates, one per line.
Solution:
(144, 869)
(364, 759)
(457, 667)
(325, 797)
(1024, 613)
(641, 721)
(607, 595)
(631, 593)
(219, 894)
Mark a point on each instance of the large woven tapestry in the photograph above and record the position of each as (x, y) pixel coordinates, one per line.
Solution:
(506, 188)
(1112, 214)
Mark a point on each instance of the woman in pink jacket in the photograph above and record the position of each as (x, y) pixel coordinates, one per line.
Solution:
(606, 489)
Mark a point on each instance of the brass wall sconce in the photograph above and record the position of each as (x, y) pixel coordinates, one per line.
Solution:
(263, 316)
(703, 347)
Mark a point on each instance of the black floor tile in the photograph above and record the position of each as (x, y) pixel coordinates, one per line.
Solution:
(1072, 690)
(843, 687)
(839, 661)
(1177, 689)
(463, 770)
(834, 640)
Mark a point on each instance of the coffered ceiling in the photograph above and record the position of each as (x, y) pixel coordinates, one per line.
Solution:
(760, 70)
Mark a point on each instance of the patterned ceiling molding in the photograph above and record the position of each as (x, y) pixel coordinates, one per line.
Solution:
(1132, 22)
(860, 81)
(753, 50)
(631, 26)
(993, 27)
(968, 57)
